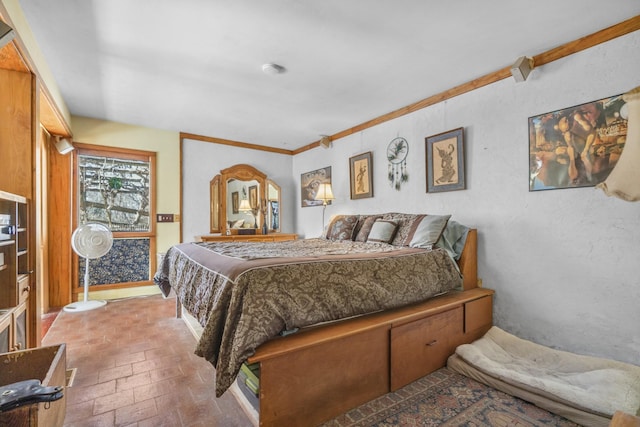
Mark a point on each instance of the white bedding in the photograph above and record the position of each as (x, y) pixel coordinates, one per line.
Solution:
(601, 385)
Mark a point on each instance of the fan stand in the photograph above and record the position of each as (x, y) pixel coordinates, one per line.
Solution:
(85, 305)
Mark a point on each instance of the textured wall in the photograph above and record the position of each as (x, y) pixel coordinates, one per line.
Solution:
(203, 160)
(564, 263)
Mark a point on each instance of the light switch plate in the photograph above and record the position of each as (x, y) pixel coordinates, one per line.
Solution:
(164, 217)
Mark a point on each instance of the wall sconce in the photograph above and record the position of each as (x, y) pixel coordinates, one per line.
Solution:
(63, 145)
(521, 68)
(325, 141)
(6, 34)
(624, 180)
(325, 193)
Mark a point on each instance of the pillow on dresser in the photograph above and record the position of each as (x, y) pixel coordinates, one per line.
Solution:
(382, 231)
(341, 227)
(428, 231)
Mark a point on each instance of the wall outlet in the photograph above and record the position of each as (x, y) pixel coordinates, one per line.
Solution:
(164, 217)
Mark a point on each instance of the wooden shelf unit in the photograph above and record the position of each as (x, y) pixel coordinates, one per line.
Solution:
(15, 273)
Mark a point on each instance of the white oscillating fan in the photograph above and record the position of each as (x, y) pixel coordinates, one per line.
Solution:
(90, 241)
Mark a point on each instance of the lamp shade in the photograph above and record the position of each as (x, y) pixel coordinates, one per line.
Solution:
(624, 180)
(324, 193)
(244, 206)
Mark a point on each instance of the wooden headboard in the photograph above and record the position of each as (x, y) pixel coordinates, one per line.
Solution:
(468, 261)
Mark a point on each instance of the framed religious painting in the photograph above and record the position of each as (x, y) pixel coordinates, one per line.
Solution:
(361, 176)
(445, 161)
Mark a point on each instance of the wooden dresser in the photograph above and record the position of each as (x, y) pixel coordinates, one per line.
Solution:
(271, 237)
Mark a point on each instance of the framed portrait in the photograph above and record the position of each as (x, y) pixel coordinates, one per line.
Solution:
(361, 176)
(309, 184)
(577, 146)
(235, 202)
(445, 161)
(253, 196)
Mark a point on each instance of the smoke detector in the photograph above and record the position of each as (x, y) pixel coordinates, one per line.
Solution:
(273, 69)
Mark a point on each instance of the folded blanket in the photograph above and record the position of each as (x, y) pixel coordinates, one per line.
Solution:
(601, 385)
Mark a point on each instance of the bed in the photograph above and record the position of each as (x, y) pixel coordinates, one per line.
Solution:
(246, 294)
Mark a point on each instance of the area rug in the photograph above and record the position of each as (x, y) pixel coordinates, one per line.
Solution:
(446, 398)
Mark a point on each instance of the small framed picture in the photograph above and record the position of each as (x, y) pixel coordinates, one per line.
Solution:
(235, 202)
(361, 173)
(445, 161)
(253, 196)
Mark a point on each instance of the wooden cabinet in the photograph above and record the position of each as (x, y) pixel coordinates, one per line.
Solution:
(312, 376)
(13, 328)
(6, 328)
(20, 327)
(271, 237)
(15, 272)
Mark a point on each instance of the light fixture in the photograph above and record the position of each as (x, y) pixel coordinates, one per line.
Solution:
(521, 68)
(273, 69)
(325, 193)
(624, 180)
(325, 141)
(6, 34)
(245, 206)
(63, 145)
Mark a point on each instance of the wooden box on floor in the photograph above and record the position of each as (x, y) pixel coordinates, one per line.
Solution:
(47, 364)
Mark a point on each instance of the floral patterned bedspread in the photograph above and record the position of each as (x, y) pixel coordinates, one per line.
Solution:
(244, 294)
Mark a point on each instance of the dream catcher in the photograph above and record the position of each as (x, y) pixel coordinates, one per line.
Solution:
(397, 155)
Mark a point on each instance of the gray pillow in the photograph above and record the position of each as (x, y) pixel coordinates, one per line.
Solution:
(382, 231)
(429, 231)
(453, 239)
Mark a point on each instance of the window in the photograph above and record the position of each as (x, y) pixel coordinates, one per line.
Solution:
(115, 187)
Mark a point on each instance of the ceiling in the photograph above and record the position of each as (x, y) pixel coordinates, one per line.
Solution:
(195, 66)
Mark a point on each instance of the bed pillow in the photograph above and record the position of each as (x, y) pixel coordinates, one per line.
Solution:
(364, 227)
(428, 231)
(238, 224)
(407, 224)
(453, 239)
(341, 227)
(382, 231)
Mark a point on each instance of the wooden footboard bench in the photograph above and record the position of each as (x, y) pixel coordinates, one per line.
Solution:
(315, 375)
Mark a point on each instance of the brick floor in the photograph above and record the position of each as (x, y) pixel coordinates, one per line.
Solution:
(135, 367)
